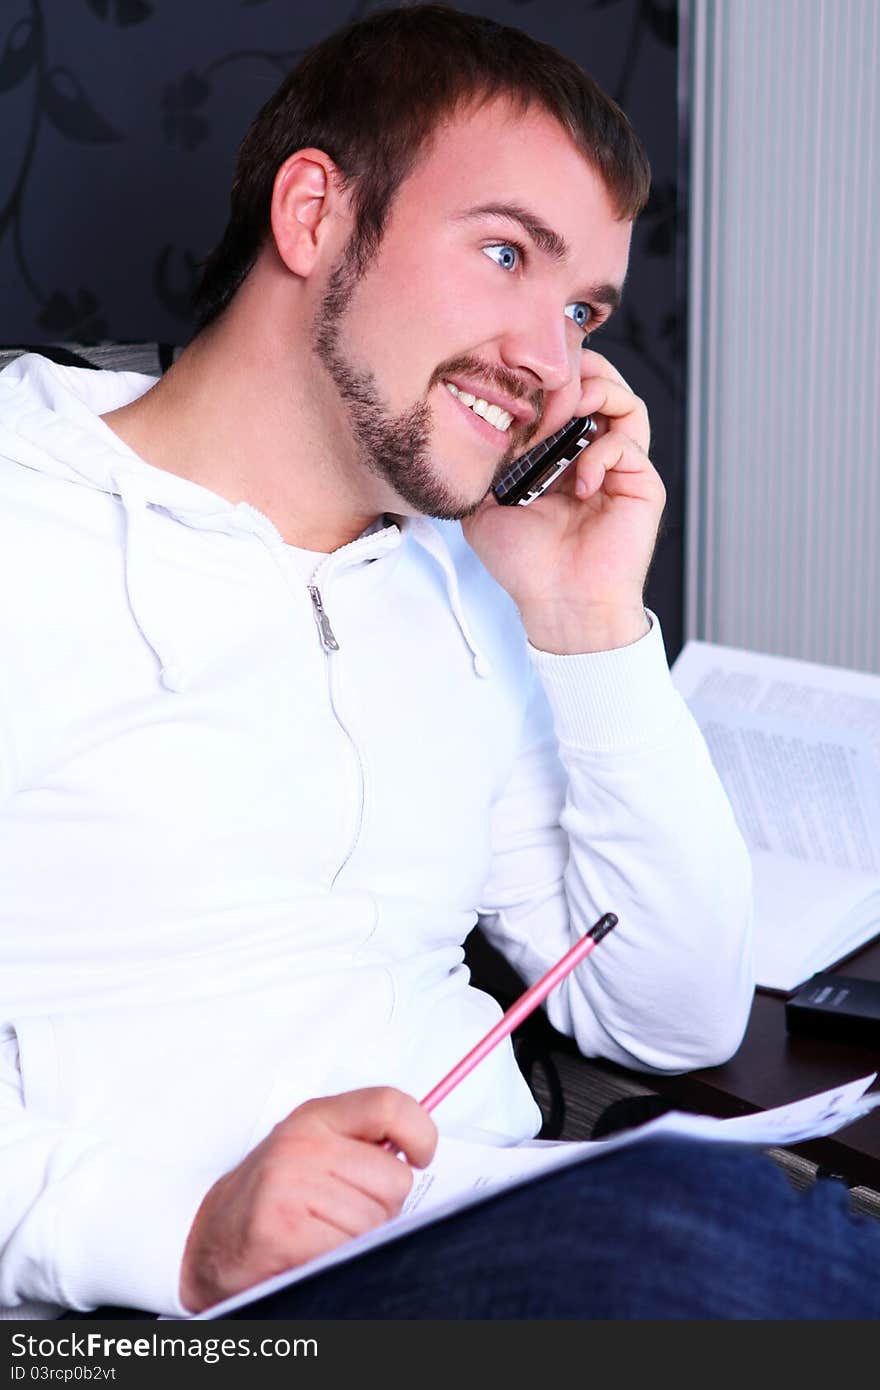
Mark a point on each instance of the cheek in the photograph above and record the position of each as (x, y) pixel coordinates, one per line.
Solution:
(423, 315)
(393, 323)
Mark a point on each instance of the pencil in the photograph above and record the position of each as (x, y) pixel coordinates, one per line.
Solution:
(521, 1009)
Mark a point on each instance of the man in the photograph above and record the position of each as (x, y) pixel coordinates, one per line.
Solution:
(275, 738)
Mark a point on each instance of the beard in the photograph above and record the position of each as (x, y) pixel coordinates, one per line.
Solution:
(397, 448)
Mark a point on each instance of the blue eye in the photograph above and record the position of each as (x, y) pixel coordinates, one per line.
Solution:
(504, 254)
(579, 313)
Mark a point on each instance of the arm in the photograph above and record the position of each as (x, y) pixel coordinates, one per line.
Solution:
(618, 809)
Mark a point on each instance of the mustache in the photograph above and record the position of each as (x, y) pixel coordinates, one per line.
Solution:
(502, 379)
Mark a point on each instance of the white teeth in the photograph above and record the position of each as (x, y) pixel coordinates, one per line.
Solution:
(501, 419)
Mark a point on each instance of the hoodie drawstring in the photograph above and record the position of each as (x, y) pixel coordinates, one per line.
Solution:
(137, 585)
(431, 540)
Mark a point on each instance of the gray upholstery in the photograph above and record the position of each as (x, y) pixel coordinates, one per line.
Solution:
(150, 358)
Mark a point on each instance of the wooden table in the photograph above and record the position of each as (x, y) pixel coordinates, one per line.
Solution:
(772, 1068)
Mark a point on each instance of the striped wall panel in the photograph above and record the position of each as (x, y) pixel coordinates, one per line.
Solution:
(784, 357)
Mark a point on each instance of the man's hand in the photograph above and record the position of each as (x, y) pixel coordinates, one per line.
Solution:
(320, 1177)
(575, 562)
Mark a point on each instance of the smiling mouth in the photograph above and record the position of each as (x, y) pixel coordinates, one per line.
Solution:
(499, 419)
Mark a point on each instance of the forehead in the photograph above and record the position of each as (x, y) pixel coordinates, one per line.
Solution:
(498, 153)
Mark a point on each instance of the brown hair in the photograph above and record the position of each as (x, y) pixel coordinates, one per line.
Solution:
(371, 95)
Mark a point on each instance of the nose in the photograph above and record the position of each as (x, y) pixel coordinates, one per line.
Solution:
(541, 346)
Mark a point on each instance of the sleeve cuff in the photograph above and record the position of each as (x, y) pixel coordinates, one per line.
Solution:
(121, 1240)
(610, 701)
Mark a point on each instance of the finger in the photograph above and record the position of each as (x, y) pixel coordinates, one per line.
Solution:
(603, 396)
(374, 1114)
(319, 1220)
(336, 1204)
(618, 466)
(594, 364)
(373, 1170)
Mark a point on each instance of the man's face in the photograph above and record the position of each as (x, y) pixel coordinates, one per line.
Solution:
(501, 251)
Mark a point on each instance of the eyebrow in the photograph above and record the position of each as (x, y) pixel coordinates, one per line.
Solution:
(546, 240)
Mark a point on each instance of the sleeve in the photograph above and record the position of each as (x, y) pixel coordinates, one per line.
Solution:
(83, 1223)
(613, 805)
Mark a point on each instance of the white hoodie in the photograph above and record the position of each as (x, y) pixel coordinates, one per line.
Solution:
(246, 829)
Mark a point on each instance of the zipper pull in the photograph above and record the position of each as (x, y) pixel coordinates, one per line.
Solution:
(328, 640)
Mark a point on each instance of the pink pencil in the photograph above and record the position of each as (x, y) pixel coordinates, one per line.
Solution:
(521, 1009)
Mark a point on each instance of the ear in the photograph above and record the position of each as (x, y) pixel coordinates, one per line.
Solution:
(306, 199)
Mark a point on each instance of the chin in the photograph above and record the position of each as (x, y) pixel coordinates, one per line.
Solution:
(466, 509)
(424, 489)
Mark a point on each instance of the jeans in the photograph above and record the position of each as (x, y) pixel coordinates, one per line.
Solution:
(667, 1229)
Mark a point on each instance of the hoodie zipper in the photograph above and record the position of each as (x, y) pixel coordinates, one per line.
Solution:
(325, 631)
(330, 645)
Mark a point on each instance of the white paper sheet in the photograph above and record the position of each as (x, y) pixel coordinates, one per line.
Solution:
(797, 746)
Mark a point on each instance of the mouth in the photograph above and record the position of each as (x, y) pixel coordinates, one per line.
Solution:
(498, 436)
(495, 416)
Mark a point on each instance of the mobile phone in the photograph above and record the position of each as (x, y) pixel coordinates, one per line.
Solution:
(529, 476)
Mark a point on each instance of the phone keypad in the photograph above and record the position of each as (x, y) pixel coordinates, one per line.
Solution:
(529, 476)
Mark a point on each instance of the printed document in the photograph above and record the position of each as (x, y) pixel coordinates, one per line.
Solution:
(797, 746)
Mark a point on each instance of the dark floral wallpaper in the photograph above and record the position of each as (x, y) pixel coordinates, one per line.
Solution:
(121, 120)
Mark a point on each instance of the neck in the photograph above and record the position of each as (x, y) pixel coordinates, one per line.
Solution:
(245, 415)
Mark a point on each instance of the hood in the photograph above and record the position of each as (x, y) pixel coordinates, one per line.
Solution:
(50, 422)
